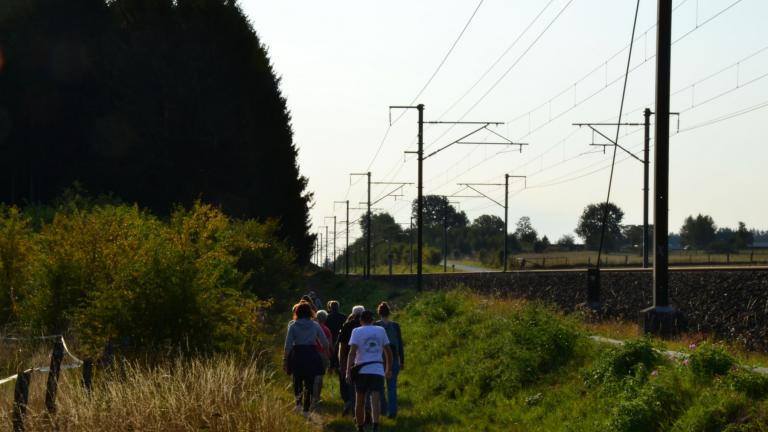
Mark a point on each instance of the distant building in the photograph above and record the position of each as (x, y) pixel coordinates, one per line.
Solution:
(760, 245)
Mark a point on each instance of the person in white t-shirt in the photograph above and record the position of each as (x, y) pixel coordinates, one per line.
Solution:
(368, 345)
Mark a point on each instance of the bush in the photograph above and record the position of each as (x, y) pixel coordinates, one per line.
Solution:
(17, 253)
(648, 406)
(710, 360)
(633, 357)
(752, 384)
(431, 256)
(194, 283)
(713, 411)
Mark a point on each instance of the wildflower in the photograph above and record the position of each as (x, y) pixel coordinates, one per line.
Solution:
(685, 362)
(655, 372)
(692, 346)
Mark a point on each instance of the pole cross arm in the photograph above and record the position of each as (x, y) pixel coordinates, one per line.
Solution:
(471, 186)
(525, 178)
(610, 140)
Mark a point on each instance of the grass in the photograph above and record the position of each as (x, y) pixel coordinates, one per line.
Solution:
(473, 363)
(566, 259)
(560, 259)
(482, 364)
(219, 393)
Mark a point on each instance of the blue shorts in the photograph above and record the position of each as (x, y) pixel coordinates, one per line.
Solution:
(369, 383)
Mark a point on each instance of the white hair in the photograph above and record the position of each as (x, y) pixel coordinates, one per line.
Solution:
(321, 315)
(357, 310)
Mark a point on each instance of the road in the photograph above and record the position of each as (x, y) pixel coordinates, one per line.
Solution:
(464, 268)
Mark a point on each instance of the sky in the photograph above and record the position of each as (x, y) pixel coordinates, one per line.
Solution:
(537, 67)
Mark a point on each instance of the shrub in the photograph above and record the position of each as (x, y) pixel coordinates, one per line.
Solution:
(194, 283)
(627, 360)
(713, 411)
(710, 360)
(431, 256)
(754, 385)
(17, 252)
(648, 405)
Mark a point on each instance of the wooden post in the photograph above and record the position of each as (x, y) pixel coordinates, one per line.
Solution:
(20, 399)
(53, 375)
(88, 375)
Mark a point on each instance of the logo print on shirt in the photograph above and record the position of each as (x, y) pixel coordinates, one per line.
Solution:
(372, 345)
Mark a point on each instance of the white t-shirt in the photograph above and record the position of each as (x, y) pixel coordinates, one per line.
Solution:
(370, 341)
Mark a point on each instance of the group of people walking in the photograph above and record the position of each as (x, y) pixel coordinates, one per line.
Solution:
(365, 354)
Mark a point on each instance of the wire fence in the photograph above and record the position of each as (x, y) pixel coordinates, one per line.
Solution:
(23, 377)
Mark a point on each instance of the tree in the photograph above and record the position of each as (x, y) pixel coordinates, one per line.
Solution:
(384, 227)
(487, 232)
(159, 102)
(541, 245)
(744, 237)
(566, 241)
(525, 232)
(591, 225)
(699, 232)
(436, 209)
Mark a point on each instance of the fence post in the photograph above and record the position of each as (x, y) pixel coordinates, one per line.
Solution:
(728, 258)
(544, 261)
(53, 375)
(626, 260)
(88, 375)
(20, 399)
(589, 261)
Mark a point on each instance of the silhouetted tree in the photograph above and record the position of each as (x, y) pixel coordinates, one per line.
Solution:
(487, 232)
(161, 102)
(699, 232)
(525, 232)
(591, 223)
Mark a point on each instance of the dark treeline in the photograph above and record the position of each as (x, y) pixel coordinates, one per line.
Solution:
(159, 102)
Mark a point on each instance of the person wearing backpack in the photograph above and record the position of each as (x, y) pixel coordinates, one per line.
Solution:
(389, 399)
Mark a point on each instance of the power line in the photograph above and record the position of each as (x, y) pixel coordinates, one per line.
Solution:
(510, 68)
(608, 84)
(442, 62)
(423, 88)
(490, 68)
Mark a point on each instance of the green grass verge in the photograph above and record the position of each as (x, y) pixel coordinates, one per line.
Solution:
(479, 364)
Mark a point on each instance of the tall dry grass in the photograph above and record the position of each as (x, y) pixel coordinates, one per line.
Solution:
(216, 394)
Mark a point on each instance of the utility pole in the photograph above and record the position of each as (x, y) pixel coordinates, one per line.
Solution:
(334, 241)
(326, 247)
(661, 317)
(445, 236)
(646, 169)
(505, 206)
(420, 156)
(367, 270)
(346, 248)
(320, 250)
(410, 237)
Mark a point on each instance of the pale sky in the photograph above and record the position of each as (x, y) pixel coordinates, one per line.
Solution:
(343, 62)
